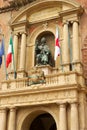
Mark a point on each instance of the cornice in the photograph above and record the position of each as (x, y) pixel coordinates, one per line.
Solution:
(39, 89)
(77, 10)
(24, 22)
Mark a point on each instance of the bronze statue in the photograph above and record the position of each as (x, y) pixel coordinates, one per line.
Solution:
(42, 53)
(35, 76)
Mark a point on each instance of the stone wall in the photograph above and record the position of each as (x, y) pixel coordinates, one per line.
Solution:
(5, 22)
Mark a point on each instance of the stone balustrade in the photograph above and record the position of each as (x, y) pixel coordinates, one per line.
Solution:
(58, 80)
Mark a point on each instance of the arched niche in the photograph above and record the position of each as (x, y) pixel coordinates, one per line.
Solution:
(50, 43)
(40, 31)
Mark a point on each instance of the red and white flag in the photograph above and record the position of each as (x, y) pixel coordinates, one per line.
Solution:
(57, 45)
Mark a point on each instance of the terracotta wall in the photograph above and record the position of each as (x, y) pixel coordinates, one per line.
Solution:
(6, 30)
(83, 19)
(4, 3)
(5, 21)
(84, 36)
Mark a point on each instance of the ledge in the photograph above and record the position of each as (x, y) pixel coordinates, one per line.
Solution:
(56, 80)
(78, 10)
(39, 95)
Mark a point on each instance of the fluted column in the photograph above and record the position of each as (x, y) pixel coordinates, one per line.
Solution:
(65, 48)
(62, 117)
(75, 45)
(16, 49)
(3, 116)
(23, 51)
(12, 119)
(74, 116)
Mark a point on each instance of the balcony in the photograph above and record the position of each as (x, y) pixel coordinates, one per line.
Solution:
(55, 87)
(56, 80)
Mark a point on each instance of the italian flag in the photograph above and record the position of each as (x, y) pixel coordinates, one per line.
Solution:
(57, 45)
(10, 52)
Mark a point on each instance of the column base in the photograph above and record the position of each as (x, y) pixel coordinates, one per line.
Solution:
(66, 67)
(12, 75)
(47, 69)
(72, 66)
(77, 65)
(21, 73)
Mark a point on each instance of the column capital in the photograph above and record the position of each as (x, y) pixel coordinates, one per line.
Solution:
(65, 22)
(12, 108)
(75, 21)
(63, 105)
(23, 33)
(74, 103)
(3, 109)
(16, 33)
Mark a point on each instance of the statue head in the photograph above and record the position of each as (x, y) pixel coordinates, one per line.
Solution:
(43, 40)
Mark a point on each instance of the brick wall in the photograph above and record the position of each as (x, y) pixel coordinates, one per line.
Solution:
(6, 30)
(4, 3)
(84, 58)
(84, 36)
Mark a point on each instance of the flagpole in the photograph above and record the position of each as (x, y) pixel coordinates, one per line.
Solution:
(60, 52)
(5, 59)
(15, 74)
(61, 59)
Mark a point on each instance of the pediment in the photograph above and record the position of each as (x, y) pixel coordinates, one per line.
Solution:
(43, 10)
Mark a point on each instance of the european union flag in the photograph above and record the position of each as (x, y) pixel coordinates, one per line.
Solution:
(1, 51)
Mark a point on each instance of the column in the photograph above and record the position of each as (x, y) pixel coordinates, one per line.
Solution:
(23, 51)
(3, 115)
(14, 61)
(65, 48)
(12, 119)
(16, 49)
(75, 45)
(74, 116)
(82, 111)
(62, 117)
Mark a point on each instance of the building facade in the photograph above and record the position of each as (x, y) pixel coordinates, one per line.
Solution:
(48, 95)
